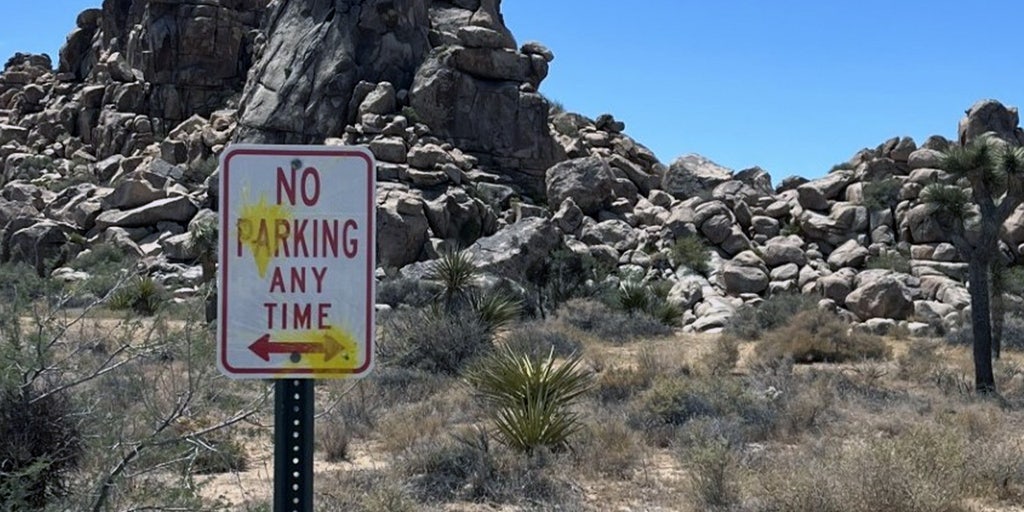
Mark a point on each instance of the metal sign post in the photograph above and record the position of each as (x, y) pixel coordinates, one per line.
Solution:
(293, 445)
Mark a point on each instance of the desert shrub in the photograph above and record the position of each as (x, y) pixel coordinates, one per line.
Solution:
(40, 446)
(334, 439)
(496, 308)
(619, 383)
(819, 336)
(722, 358)
(920, 361)
(404, 291)
(889, 261)
(918, 470)
(456, 272)
(467, 467)
(412, 424)
(568, 275)
(882, 194)
(842, 166)
(671, 402)
(141, 294)
(362, 490)
(19, 282)
(593, 317)
(751, 321)
(218, 454)
(608, 447)
(411, 114)
(433, 339)
(106, 265)
(1013, 333)
(713, 474)
(691, 252)
(538, 339)
(530, 398)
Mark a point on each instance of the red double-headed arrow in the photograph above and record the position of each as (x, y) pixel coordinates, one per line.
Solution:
(263, 347)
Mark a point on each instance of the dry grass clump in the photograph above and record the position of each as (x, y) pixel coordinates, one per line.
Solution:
(469, 467)
(364, 491)
(537, 339)
(593, 317)
(819, 336)
(607, 447)
(921, 470)
(714, 474)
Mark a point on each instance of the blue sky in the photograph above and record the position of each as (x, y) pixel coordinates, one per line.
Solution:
(793, 86)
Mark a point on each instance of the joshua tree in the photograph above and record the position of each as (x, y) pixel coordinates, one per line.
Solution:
(993, 172)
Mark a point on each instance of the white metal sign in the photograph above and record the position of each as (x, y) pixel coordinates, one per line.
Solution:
(297, 245)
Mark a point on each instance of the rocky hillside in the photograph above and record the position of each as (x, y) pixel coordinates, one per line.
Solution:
(118, 143)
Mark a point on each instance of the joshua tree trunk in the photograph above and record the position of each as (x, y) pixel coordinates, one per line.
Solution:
(998, 306)
(984, 381)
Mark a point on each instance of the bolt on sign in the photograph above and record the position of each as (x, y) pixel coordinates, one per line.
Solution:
(297, 261)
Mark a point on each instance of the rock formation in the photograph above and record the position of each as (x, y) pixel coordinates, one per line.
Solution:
(118, 145)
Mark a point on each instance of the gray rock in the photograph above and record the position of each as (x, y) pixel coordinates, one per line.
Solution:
(694, 176)
(781, 250)
(518, 251)
(587, 181)
(742, 279)
(175, 209)
(924, 158)
(850, 254)
(883, 297)
(990, 116)
(402, 228)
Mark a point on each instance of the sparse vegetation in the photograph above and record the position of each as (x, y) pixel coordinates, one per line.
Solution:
(819, 336)
(889, 261)
(691, 252)
(882, 194)
(751, 322)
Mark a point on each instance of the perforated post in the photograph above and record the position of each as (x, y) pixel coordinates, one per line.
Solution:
(293, 445)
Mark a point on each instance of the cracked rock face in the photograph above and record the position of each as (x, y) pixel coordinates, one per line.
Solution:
(317, 53)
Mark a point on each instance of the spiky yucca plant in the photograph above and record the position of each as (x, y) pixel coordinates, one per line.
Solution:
(531, 397)
(456, 271)
(633, 296)
(496, 309)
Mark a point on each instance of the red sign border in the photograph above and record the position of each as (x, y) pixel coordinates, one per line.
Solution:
(371, 205)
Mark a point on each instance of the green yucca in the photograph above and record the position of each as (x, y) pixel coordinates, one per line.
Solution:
(633, 296)
(531, 397)
(456, 271)
(496, 309)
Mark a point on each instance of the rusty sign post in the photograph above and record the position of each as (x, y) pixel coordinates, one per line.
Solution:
(296, 287)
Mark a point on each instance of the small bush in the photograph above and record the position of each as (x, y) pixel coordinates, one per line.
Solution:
(466, 467)
(40, 445)
(671, 402)
(220, 454)
(889, 261)
(713, 466)
(538, 339)
(596, 318)
(404, 291)
(530, 398)
(751, 321)
(842, 166)
(609, 448)
(722, 358)
(882, 194)
(335, 440)
(433, 339)
(691, 252)
(819, 336)
(19, 282)
(568, 275)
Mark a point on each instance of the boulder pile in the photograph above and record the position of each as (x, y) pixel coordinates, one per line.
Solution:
(118, 145)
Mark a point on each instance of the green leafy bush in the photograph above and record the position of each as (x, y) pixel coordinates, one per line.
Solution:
(882, 194)
(529, 398)
(690, 251)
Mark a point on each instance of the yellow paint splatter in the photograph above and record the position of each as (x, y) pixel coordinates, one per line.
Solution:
(344, 350)
(257, 229)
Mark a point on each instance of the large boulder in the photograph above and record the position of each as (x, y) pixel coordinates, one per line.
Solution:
(694, 176)
(402, 228)
(745, 273)
(178, 209)
(587, 181)
(884, 296)
(518, 251)
(990, 116)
